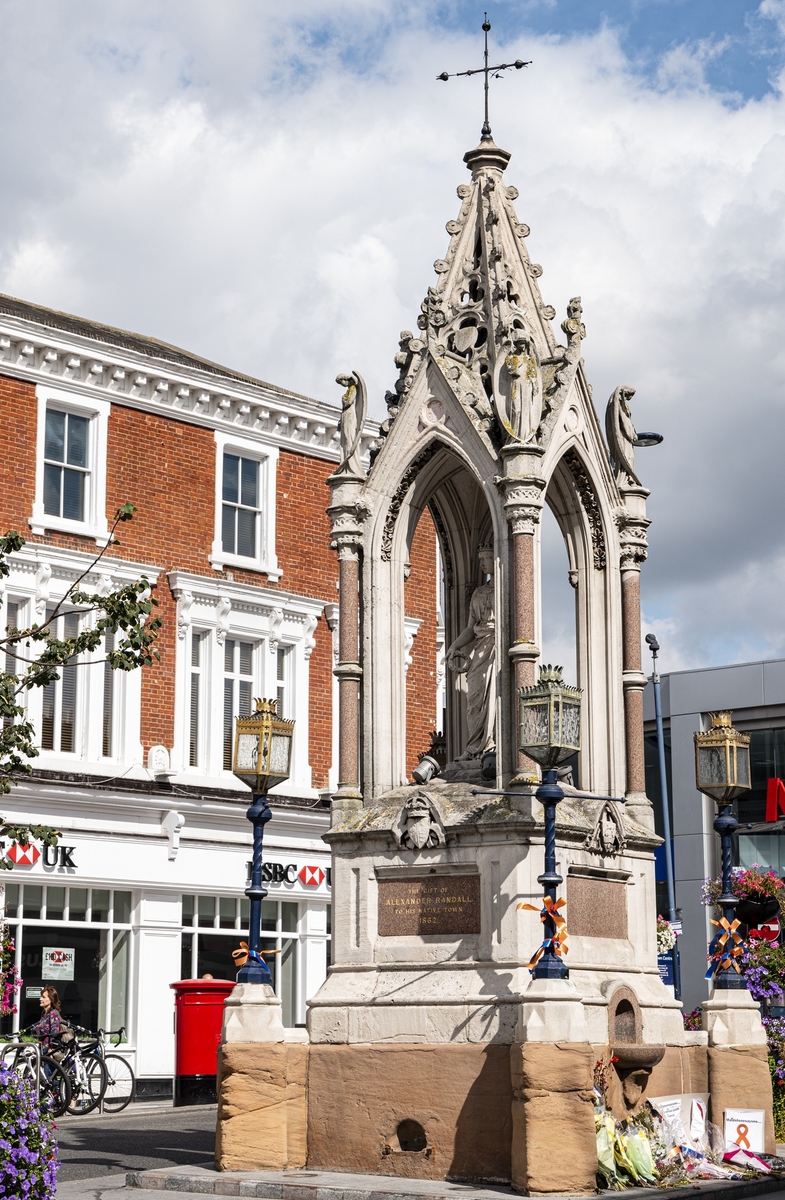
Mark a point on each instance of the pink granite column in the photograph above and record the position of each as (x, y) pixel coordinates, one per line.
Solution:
(348, 670)
(523, 515)
(634, 679)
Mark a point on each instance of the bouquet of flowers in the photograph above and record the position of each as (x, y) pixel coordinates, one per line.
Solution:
(747, 883)
(9, 976)
(764, 970)
(666, 938)
(28, 1150)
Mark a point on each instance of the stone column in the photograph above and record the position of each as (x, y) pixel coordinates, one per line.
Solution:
(349, 672)
(347, 513)
(632, 525)
(523, 505)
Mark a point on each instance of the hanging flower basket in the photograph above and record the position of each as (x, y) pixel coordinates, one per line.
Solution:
(760, 893)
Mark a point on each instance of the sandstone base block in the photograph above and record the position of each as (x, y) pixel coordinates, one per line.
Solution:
(261, 1106)
(368, 1103)
(554, 1145)
(739, 1078)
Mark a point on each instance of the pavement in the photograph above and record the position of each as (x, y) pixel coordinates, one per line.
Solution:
(145, 1136)
(155, 1148)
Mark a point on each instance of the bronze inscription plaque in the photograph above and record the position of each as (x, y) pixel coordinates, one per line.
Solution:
(596, 907)
(440, 904)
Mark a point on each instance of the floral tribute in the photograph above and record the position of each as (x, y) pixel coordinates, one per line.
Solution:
(666, 937)
(9, 976)
(747, 883)
(28, 1150)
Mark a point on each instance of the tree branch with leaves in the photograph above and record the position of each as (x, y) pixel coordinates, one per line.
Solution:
(36, 656)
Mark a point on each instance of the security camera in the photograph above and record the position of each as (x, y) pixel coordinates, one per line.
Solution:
(652, 643)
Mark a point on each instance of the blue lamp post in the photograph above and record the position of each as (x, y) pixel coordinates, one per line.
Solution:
(722, 771)
(262, 759)
(549, 732)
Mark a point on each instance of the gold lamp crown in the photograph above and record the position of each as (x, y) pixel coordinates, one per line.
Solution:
(263, 747)
(549, 718)
(722, 759)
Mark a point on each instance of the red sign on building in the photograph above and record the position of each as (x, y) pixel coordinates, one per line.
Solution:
(24, 856)
(310, 876)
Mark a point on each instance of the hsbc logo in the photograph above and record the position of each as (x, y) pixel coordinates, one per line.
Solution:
(24, 856)
(53, 856)
(310, 876)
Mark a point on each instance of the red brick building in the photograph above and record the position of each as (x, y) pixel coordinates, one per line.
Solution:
(228, 476)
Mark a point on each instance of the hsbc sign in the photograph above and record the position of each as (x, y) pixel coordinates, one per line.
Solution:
(53, 856)
(308, 876)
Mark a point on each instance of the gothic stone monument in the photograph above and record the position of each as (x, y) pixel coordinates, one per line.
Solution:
(431, 1050)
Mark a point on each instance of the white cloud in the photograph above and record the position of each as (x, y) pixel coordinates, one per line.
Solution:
(272, 193)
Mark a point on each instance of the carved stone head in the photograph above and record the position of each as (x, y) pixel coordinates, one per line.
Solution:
(419, 823)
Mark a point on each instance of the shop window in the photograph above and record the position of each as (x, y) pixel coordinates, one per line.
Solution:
(238, 690)
(77, 909)
(99, 906)
(206, 910)
(59, 698)
(207, 949)
(227, 912)
(55, 903)
(12, 891)
(122, 908)
(94, 985)
(33, 895)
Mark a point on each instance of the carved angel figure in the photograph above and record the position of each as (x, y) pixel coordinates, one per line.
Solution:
(518, 388)
(354, 406)
(621, 435)
(608, 836)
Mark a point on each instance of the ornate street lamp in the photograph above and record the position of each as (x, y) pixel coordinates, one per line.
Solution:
(550, 731)
(722, 771)
(262, 759)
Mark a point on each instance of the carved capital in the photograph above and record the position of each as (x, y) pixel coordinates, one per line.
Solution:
(633, 545)
(346, 530)
(523, 501)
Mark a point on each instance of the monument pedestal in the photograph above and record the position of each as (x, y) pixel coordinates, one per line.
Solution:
(738, 1064)
(261, 1086)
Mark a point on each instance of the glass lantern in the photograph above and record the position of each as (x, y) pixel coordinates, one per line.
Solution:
(263, 747)
(722, 760)
(549, 721)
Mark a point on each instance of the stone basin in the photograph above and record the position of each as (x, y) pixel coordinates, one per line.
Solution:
(636, 1054)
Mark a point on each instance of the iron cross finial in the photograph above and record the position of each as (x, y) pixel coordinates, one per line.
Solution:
(487, 71)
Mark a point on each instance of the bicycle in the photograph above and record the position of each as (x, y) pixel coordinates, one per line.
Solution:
(53, 1084)
(83, 1063)
(121, 1081)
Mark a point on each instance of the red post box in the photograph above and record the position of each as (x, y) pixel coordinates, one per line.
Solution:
(198, 1018)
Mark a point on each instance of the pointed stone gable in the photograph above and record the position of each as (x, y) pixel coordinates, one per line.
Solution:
(485, 323)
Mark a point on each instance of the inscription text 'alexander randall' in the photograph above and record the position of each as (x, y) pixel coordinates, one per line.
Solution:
(441, 904)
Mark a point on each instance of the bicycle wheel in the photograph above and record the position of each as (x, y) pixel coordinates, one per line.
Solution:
(88, 1084)
(55, 1092)
(121, 1083)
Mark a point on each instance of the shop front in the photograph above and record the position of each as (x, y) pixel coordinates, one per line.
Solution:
(112, 949)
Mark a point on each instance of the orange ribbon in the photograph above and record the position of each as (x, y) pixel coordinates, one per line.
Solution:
(242, 955)
(726, 948)
(558, 942)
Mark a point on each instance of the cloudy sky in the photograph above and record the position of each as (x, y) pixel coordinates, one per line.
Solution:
(268, 185)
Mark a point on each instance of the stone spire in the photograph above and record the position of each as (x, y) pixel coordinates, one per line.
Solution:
(485, 322)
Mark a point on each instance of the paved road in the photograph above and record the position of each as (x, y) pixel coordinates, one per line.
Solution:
(140, 1138)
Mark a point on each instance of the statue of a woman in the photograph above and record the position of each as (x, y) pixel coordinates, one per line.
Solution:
(354, 406)
(474, 651)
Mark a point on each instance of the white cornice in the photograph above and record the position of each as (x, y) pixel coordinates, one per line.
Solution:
(84, 365)
(70, 564)
(244, 597)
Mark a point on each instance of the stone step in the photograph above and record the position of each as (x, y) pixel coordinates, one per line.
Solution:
(333, 1185)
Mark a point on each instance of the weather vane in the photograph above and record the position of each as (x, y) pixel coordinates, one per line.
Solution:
(496, 72)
